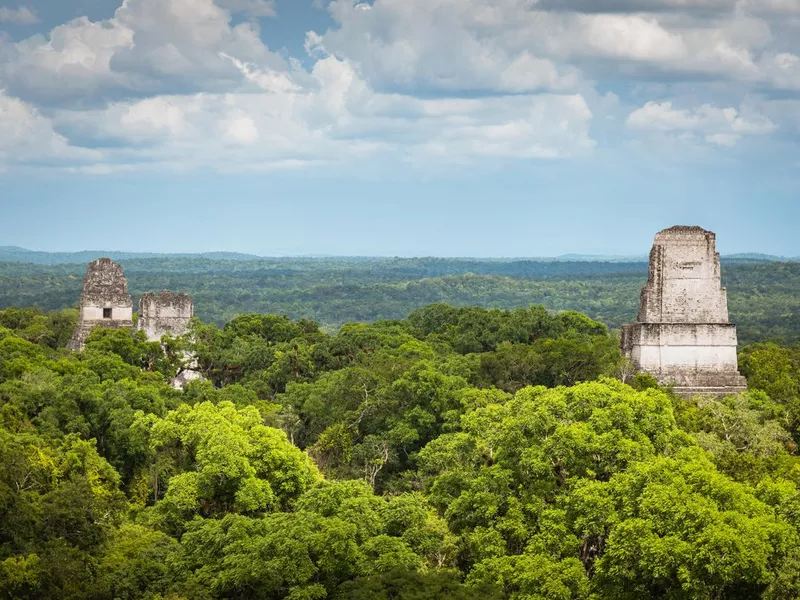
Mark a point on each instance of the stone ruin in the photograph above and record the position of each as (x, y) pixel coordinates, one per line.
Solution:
(169, 313)
(105, 301)
(164, 313)
(682, 335)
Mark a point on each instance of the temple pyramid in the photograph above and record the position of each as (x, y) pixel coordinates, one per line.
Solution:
(105, 301)
(682, 335)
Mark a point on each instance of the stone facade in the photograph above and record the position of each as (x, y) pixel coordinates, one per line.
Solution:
(105, 301)
(683, 336)
(164, 313)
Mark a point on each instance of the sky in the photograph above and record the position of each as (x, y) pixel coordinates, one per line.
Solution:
(398, 127)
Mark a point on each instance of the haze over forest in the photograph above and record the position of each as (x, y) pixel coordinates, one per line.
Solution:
(764, 294)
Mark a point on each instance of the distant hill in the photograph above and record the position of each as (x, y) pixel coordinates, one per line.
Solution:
(757, 257)
(739, 258)
(600, 258)
(17, 254)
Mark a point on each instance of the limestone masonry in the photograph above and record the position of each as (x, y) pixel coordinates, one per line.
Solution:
(105, 301)
(165, 313)
(683, 336)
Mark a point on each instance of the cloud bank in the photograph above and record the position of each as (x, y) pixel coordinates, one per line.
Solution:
(166, 84)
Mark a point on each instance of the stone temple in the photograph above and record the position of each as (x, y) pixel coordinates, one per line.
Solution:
(682, 335)
(105, 301)
(164, 313)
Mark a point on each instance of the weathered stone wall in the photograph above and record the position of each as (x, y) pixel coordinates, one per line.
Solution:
(105, 301)
(683, 336)
(165, 313)
(684, 354)
(684, 283)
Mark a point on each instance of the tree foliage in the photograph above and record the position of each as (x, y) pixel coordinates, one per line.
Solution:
(460, 453)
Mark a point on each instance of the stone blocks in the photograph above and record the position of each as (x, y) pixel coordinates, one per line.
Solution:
(164, 313)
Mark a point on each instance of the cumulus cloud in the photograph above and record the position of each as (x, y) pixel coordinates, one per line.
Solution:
(148, 47)
(526, 45)
(28, 137)
(449, 45)
(75, 60)
(337, 119)
(22, 15)
(720, 126)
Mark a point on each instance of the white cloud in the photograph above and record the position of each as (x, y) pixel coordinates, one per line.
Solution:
(267, 79)
(148, 47)
(720, 126)
(76, 59)
(470, 44)
(448, 45)
(630, 37)
(336, 119)
(28, 137)
(729, 140)
(191, 83)
(22, 15)
(240, 130)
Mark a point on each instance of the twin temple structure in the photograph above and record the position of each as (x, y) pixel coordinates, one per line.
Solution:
(105, 302)
(682, 335)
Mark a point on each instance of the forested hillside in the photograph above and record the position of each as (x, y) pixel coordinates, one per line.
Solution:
(764, 297)
(459, 453)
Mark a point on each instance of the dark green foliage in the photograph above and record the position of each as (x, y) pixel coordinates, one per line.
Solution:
(764, 297)
(401, 584)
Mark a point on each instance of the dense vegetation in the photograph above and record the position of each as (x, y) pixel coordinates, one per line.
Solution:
(459, 453)
(764, 297)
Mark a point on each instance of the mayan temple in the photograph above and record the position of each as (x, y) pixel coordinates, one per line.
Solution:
(105, 301)
(682, 335)
(164, 313)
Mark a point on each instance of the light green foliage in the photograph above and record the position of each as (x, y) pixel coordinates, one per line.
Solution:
(679, 525)
(229, 462)
(351, 501)
(534, 577)
(633, 519)
(776, 371)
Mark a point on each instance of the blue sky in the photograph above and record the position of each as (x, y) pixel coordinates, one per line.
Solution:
(398, 127)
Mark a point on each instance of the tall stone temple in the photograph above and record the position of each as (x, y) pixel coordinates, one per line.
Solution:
(105, 301)
(682, 335)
